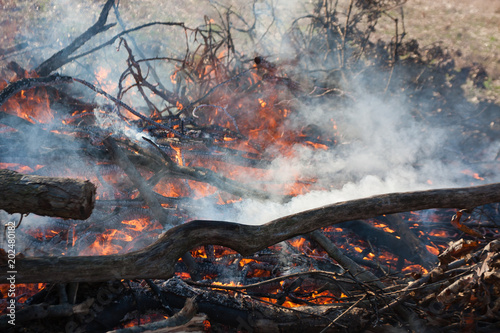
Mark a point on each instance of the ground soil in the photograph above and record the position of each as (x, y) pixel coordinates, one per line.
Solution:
(469, 29)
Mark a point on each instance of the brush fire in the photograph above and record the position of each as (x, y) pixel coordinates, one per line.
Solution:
(244, 177)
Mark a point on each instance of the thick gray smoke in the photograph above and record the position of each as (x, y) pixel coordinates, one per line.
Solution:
(382, 148)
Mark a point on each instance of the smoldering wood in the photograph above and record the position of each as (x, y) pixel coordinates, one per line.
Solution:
(49, 196)
(347, 263)
(118, 102)
(146, 191)
(363, 275)
(215, 179)
(248, 314)
(221, 308)
(181, 318)
(378, 238)
(336, 281)
(29, 83)
(158, 259)
(194, 173)
(102, 313)
(421, 255)
(56, 95)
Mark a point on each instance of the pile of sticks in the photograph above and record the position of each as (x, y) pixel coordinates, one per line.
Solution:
(100, 293)
(463, 285)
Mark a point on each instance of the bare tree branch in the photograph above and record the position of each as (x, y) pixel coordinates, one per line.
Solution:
(158, 259)
(62, 57)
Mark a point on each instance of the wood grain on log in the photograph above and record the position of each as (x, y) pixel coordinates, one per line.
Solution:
(158, 259)
(50, 196)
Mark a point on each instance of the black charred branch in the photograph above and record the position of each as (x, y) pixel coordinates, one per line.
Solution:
(62, 57)
(25, 84)
(41, 311)
(381, 239)
(241, 313)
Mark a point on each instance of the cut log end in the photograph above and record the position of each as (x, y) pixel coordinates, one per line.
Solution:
(50, 196)
(88, 194)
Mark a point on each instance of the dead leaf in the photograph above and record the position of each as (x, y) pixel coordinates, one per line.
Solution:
(455, 221)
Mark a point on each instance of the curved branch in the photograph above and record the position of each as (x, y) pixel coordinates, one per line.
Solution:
(158, 259)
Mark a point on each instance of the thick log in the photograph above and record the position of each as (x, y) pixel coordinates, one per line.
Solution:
(158, 259)
(50, 196)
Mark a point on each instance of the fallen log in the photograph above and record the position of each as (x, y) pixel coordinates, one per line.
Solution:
(158, 259)
(50, 196)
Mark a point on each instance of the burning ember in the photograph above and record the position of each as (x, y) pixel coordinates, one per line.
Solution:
(131, 165)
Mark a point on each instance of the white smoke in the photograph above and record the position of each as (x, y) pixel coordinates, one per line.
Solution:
(383, 148)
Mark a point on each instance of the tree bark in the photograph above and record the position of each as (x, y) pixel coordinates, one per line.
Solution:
(50, 196)
(158, 259)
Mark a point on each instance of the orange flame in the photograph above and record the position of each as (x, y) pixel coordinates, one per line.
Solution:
(178, 155)
(472, 174)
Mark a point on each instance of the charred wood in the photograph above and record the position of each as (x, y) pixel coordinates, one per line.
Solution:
(421, 255)
(347, 263)
(56, 95)
(363, 275)
(379, 238)
(248, 314)
(12, 49)
(195, 325)
(146, 192)
(182, 317)
(41, 311)
(29, 83)
(110, 304)
(213, 178)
